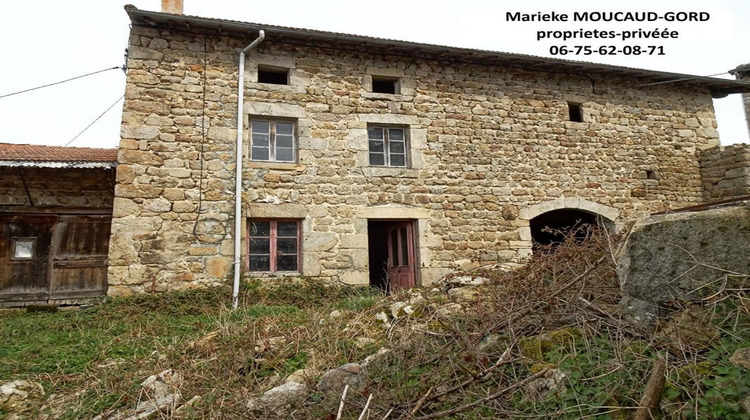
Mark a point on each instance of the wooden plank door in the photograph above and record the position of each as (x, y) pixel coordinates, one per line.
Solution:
(24, 257)
(79, 263)
(401, 259)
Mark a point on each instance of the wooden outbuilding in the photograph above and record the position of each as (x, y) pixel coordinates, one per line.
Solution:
(55, 217)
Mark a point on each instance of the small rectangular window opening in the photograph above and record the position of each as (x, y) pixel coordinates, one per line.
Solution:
(384, 84)
(274, 76)
(575, 112)
(652, 175)
(23, 248)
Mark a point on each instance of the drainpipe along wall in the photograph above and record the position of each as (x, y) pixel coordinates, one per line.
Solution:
(238, 173)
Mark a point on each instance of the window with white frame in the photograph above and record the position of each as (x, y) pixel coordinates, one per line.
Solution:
(274, 245)
(387, 146)
(273, 140)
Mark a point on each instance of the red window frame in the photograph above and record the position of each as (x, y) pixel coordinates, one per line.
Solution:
(273, 239)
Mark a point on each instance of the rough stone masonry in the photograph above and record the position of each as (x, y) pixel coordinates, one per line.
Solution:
(489, 148)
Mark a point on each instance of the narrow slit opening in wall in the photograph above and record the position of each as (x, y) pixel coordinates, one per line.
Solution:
(274, 76)
(575, 113)
(384, 84)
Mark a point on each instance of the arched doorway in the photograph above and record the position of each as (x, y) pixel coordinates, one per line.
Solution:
(549, 229)
(561, 213)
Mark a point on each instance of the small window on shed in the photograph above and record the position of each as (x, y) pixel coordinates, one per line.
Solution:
(575, 112)
(23, 248)
(381, 84)
(274, 76)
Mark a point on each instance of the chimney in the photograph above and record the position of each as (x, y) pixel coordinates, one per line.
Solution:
(171, 6)
(742, 73)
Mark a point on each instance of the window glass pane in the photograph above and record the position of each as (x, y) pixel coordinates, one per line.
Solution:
(284, 141)
(260, 263)
(261, 127)
(404, 247)
(285, 155)
(284, 128)
(394, 248)
(24, 249)
(395, 134)
(377, 159)
(376, 146)
(375, 133)
(398, 160)
(286, 229)
(260, 228)
(396, 147)
(260, 139)
(286, 263)
(286, 245)
(260, 246)
(259, 153)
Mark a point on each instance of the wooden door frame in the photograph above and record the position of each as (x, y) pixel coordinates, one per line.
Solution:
(413, 245)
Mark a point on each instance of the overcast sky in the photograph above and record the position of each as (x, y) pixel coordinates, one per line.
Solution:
(45, 41)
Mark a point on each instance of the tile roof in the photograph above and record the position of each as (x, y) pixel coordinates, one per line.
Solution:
(56, 156)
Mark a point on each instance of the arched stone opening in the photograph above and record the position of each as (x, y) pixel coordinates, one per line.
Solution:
(561, 213)
(549, 229)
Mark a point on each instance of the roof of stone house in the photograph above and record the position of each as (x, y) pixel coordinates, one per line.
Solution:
(718, 87)
(28, 155)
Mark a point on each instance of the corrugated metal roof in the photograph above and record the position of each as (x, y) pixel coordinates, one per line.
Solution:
(718, 87)
(28, 155)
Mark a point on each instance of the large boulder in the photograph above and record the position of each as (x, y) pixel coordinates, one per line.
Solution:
(686, 256)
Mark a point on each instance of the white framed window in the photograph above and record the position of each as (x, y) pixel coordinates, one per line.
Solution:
(387, 146)
(273, 140)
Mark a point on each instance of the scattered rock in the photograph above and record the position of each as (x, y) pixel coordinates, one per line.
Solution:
(280, 398)
(375, 356)
(464, 281)
(20, 396)
(163, 384)
(147, 409)
(335, 314)
(383, 318)
(332, 382)
(641, 313)
(300, 376)
(464, 294)
(362, 342)
(491, 343)
(449, 310)
(400, 309)
(741, 357)
(549, 384)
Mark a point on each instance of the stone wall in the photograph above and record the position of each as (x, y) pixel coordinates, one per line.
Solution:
(726, 172)
(486, 143)
(57, 187)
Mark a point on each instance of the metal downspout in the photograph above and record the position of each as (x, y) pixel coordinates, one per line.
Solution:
(238, 172)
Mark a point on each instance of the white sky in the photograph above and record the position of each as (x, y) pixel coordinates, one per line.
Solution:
(45, 41)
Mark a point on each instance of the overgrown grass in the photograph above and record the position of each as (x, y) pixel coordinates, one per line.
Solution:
(557, 314)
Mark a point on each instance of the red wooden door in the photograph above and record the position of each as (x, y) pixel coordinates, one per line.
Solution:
(401, 256)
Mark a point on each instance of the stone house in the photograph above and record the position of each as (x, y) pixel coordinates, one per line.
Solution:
(372, 161)
(55, 217)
